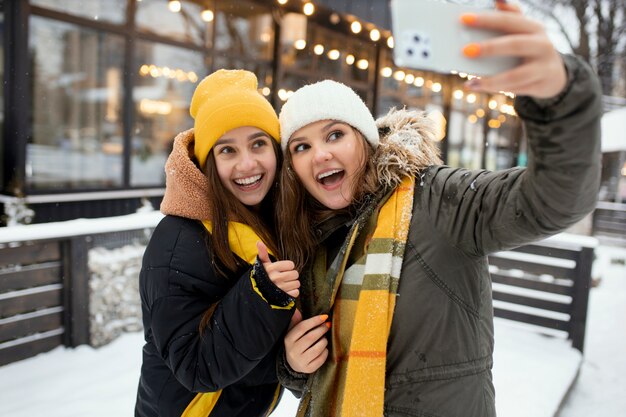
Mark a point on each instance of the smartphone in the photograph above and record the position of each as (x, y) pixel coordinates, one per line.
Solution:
(429, 35)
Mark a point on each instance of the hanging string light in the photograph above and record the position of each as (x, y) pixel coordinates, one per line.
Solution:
(174, 6)
(308, 9)
(207, 15)
(356, 27)
(362, 64)
(333, 54)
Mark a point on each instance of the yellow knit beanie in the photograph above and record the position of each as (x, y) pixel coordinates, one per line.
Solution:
(226, 100)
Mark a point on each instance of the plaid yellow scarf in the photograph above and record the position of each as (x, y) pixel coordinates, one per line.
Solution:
(362, 299)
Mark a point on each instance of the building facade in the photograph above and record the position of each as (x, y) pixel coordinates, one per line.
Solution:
(94, 91)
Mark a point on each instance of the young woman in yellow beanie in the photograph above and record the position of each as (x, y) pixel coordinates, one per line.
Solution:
(215, 306)
(393, 246)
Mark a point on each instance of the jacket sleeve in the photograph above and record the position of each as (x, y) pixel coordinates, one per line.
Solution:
(242, 331)
(288, 378)
(481, 212)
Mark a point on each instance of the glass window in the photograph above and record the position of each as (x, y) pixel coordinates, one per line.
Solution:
(187, 22)
(244, 29)
(76, 106)
(310, 52)
(400, 87)
(466, 132)
(109, 10)
(164, 82)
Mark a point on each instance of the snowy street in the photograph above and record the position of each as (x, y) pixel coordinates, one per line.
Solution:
(102, 382)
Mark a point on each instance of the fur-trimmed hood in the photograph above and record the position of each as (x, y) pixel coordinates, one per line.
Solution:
(187, 189)
(407, 145)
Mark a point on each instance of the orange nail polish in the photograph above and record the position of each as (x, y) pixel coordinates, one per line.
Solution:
(327, 324)
(323, 317)
(471, 50)
(468, 18)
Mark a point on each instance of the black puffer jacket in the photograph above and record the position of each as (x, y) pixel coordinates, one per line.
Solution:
(235, 353)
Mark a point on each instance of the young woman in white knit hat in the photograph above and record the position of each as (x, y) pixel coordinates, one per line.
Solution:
(393, 246)
(214, 312)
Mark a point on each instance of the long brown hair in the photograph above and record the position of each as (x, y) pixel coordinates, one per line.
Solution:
(224, 207)
(298, 212)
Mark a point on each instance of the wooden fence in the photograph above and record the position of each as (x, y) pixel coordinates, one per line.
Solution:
(44, 283)
(609, 221)
(44, 288)
(545, 284)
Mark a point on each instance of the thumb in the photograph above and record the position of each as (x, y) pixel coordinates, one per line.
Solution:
(295, 319)
(264, 256)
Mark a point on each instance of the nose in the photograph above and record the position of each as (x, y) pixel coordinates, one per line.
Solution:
(247, 162)
(322, 154)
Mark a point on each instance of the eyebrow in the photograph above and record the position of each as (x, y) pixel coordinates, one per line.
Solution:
(256, 135)
(324, 129)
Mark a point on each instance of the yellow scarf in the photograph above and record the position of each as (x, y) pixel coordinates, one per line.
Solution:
(352, 381)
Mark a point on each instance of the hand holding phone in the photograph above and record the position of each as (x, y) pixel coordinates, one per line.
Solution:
(512, 52)
(429, 35)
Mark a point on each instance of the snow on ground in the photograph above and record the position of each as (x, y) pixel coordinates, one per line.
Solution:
(531, 371)
(601, 386)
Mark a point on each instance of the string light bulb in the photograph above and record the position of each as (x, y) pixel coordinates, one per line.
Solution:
(283, 2)
(308, 9)
(350, 59)
(356, 27)
(333, 54)
(174, 6)
(390, 42)
(375, 34)
(207, 15)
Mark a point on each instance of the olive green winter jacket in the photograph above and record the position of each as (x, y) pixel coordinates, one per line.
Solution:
(440, 350)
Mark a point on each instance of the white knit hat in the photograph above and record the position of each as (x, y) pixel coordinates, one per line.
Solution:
(326, 100)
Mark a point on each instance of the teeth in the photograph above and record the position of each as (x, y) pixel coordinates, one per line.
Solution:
(328, 174)
(248, 181)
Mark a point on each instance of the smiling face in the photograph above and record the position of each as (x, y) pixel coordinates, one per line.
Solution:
(246, 163)
(327, 156)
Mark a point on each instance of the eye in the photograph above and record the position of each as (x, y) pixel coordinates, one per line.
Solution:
(260, 143)
(300, 147)
(335, 135)
(226, 150)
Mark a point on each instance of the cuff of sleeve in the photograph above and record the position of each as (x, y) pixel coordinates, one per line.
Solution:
(542, 109)
(265, 288)
(294, 381)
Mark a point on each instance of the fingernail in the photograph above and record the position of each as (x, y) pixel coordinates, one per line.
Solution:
(501, 1)
(472, 84)
(323, 317)
(327, 324)
(471, 50)
(468, 18)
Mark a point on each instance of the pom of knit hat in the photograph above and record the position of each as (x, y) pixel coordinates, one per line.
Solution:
(326, 100)
(226, 100)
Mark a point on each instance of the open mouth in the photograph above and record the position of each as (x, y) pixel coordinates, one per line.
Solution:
(332, 177)
(248, 182)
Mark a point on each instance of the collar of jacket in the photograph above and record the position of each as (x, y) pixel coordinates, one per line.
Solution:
(186, 187)
(407, 146)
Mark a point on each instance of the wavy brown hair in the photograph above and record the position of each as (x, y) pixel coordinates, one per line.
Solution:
(224, 207)
(298, 213)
